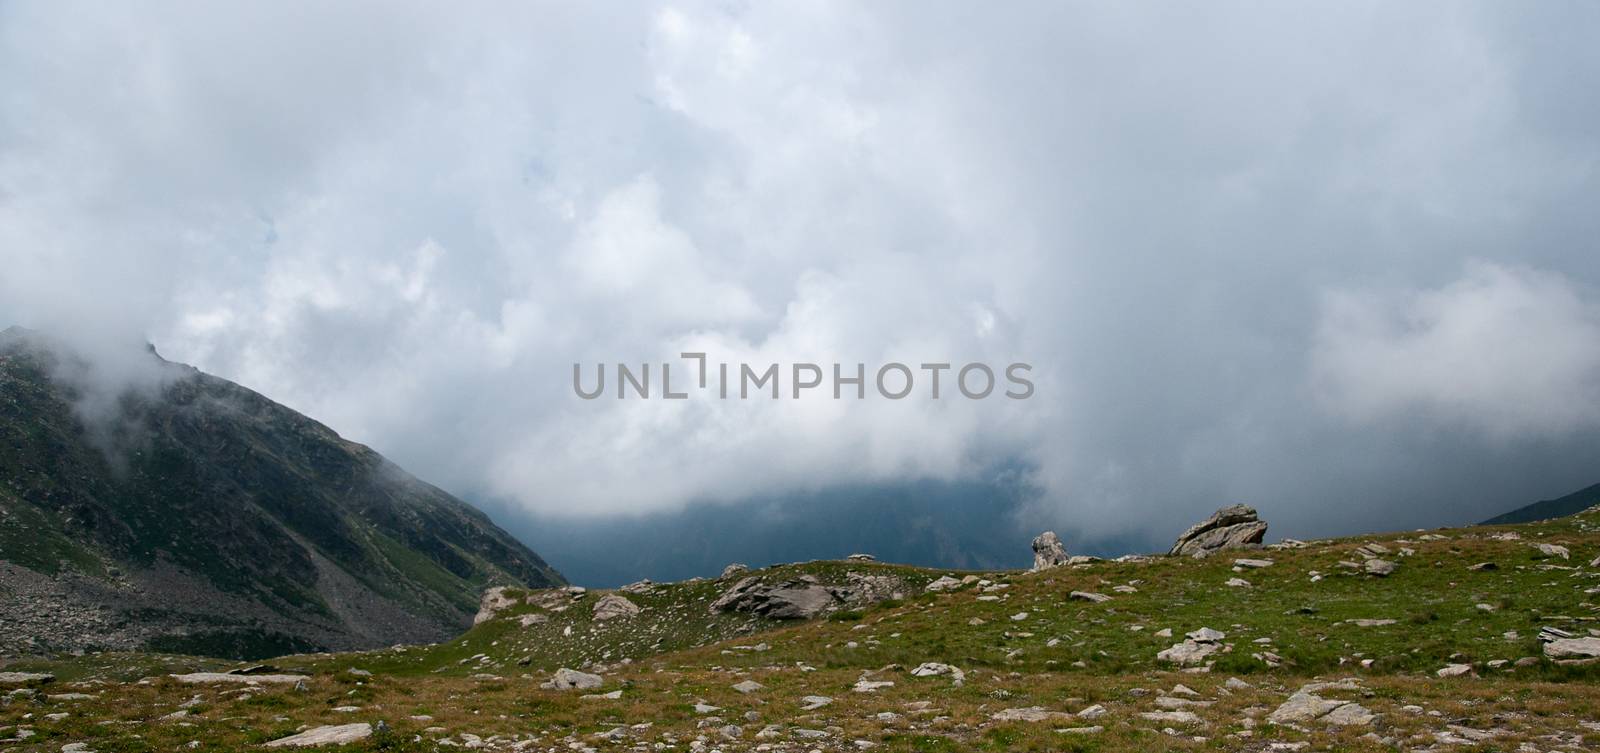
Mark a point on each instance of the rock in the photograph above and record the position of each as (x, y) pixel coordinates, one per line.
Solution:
(1237, 583)
(944, 583)
(1253, 564)
(1029, 714)
(870, 686)
(1482, 566)
(1454, 670)
(733, 569)
(531, 619)
(748, 686)
(493, 602)
(1188, 653)
(641, 586)
(796, 599)
(1206, 635)
(861, 558)
(935, 669)
(1348, 715)
(203, 678)
(1364, 622)
(1553, 550)
(1235, 527)
(572, 679)
(1573, 648)
(612, 606)
(1048, 551)
(337, 734)
(1093, 712)
(814, 702)
(1088, 596)
(26, 678)
(1172, 717)
(1379, 568)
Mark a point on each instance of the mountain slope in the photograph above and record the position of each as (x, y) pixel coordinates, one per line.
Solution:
(190, 514)
(1549, 509)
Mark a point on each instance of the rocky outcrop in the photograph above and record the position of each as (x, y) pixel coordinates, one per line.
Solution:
(795, 599)
(805, 597)
(493, 602)
(1048, 551)
(1235, 527)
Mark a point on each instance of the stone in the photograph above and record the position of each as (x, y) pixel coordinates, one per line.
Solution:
(1364, 622)
(1237, 583)
(944, 583)
(870, 686)
(861, 558)
(1573, 648)
(1088, 596)
(1553, 550)
(26, 678)
(572, 679)
(734, 569)
(1379, 568)
(1235, 527)
(1172, 717)
(935, 669)
(814, 702)
(1029, 714)
(1348, 715)
(1206, 635)
(493, 602)
(1253, 564)
(337, 734)
(1048, 551)
(748, 686)
(1188, 653)
(1454, 670)
(204, 678)
(612, 606)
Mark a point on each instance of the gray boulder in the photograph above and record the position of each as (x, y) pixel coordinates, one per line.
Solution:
(572, 679)
(1235, 527)
(1048, 551)
(797, 599)
(338, 734)
(612, 606)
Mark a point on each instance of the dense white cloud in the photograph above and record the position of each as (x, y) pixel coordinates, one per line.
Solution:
(410, 222)
(1505, 350)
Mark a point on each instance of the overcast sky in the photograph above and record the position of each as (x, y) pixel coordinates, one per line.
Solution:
(1335, 260)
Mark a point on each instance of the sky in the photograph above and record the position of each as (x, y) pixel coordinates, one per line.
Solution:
(1335, 260)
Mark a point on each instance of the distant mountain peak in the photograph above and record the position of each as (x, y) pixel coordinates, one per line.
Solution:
(220, 522)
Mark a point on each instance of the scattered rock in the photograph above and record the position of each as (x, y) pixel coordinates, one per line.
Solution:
(748, 686)
(935, 669)
(1172, 717)
(26, 678)
(1048, 551)
(862, 558)
(1088, 596)
(814, 702)
(1235, 527)
(944, 583)
(1553, 550)
(1253, 564)
(1454, 670)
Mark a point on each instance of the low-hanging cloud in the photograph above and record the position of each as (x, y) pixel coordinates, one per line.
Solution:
(409, 222)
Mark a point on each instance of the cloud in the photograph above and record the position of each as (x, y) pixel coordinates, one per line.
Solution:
(1509, 351)
(410, 222)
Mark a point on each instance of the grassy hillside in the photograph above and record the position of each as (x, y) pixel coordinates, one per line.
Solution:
(1042, 671)
(1548, 509)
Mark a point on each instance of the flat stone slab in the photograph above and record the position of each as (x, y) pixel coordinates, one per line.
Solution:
(337, 734)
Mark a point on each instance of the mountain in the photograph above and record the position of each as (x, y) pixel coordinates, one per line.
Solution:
(147, 505)
(1560, 507)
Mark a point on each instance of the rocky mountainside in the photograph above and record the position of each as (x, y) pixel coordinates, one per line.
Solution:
(183, 513)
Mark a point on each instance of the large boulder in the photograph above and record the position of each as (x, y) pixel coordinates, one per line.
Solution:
(572, 679)
(612, 606)
(1235, 527)
(1048, 551)
(338, 734)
